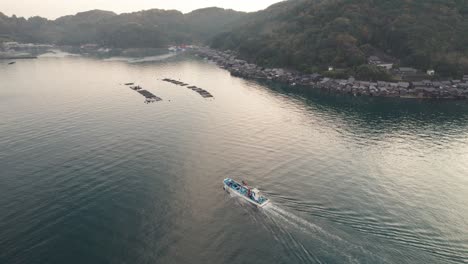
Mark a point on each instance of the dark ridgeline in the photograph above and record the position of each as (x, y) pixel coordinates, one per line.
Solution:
(146, 29)
(305, 35)
(310, 35)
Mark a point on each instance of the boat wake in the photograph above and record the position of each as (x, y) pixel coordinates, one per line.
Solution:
(304, 240)
(279, 223)
(294, 220)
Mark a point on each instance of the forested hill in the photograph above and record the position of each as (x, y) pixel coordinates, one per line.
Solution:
(311, 34)
(149, 28)
(307, 35)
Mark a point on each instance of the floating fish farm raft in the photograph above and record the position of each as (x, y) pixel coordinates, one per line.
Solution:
(136, 88)
(150, 97)
(202, 92)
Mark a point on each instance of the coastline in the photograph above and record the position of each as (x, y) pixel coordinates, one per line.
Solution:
(18, 57)
(453, 89)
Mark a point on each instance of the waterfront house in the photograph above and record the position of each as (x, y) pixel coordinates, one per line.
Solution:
(418, 84)
(315, 77)
(387, 66)
(374, 60)
(410, 74)
(405, 85)
(407, 70)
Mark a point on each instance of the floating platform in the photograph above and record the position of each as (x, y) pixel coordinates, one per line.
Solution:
(149, 95)
(136, 88)
(202, 92)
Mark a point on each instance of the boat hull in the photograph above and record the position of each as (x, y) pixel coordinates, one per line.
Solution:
(241, 193)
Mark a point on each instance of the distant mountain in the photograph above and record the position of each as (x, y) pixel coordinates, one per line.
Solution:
(89, 17)
(307, 35)
(149, 28)
(208, 22)
(310, 35)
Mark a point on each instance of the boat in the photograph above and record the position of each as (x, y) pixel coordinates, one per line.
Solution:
(252, 195)
(13, 62)
(136, 88)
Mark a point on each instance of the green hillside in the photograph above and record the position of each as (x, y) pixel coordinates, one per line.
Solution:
(311, 34)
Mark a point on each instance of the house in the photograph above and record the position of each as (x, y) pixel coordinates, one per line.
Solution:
(418, 84)
(10, 45)
(374, 60)
(404, 84)
(407, 70)
(387, 66)
(330, 68)
(430, 72)
(409, 74)
(315, 77)
(465, 78)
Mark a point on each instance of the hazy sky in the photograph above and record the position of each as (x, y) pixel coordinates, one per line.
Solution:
(55, 8)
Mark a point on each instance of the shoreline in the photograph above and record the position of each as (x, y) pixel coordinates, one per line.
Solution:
(18, 58)
(453, 89)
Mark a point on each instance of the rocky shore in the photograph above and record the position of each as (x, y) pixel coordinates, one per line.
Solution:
(450, 89)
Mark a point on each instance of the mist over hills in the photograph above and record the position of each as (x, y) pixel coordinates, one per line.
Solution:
(149, 28)
(306, 35)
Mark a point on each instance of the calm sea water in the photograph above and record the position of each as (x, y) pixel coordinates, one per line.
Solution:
(91, 174)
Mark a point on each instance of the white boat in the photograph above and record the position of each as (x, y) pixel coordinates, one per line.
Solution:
(252, 195)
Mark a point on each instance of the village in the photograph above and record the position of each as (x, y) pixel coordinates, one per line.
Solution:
(15, 50)
(449, 89)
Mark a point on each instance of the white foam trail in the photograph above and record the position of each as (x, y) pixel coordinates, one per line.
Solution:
(281, 234)
(298, 222)
(276, 213)
(280, 224)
